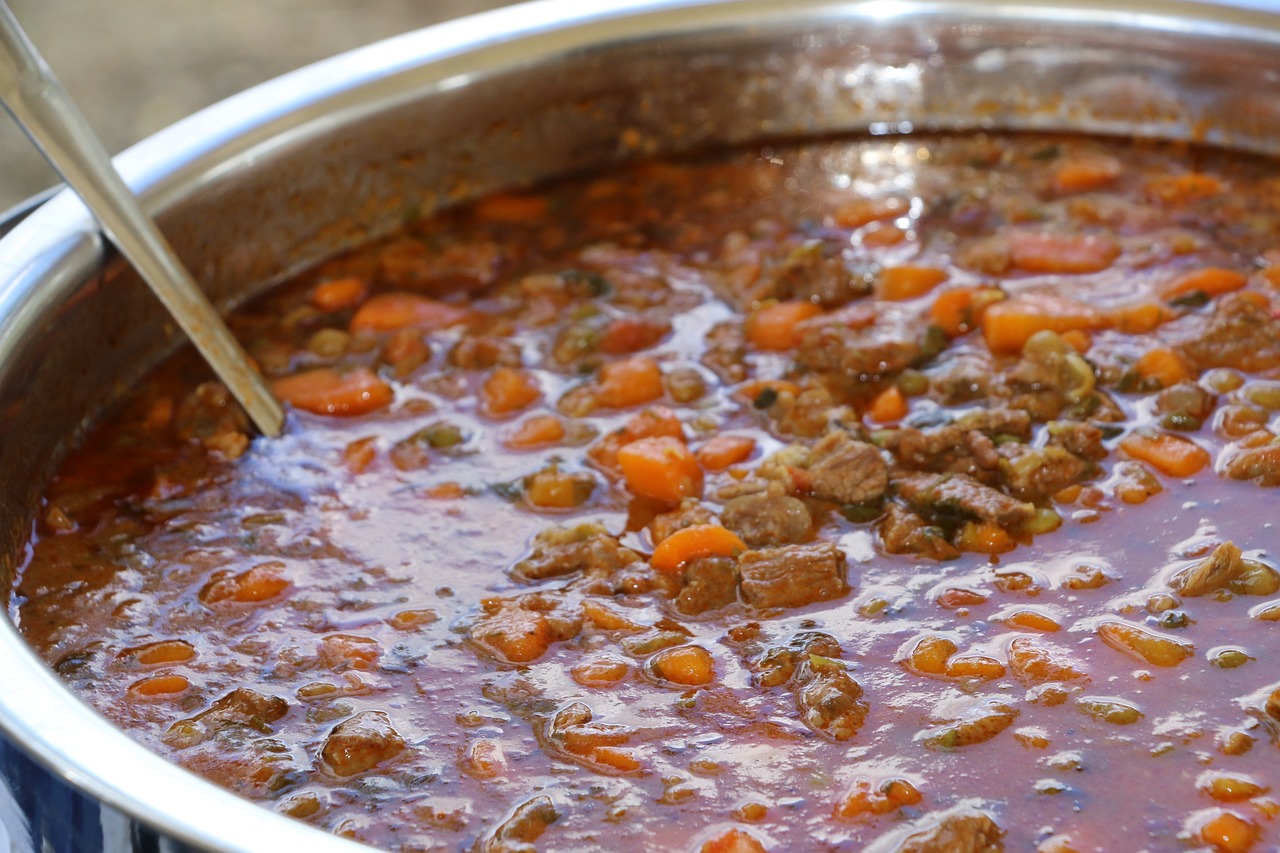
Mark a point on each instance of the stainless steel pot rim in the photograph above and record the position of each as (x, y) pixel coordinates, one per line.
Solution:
(36, 710)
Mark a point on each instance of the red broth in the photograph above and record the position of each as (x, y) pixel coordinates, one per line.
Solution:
(905, 492)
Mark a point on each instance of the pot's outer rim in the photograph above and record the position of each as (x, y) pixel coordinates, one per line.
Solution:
(36, 709)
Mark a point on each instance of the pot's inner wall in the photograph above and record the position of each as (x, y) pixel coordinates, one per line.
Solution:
(359, 165)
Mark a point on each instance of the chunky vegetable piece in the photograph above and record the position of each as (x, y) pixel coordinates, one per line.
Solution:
(892, 494)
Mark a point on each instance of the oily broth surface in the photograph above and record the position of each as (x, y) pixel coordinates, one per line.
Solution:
(384, 560)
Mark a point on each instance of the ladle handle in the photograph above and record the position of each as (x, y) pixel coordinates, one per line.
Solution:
(34, 97)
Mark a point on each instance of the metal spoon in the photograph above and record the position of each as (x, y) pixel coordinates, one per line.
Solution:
(32, 95)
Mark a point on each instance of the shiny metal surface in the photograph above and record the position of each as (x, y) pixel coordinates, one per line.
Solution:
(285, 174)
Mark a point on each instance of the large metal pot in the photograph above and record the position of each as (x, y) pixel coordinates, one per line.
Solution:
(289, 172)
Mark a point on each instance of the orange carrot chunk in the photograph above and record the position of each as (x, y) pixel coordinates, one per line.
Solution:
(1139, 317)
(908, 282)
(537, 431)
(1211, 281)
(1163, 365)
(325, 391)
(1008, 325)
(721, 451)
(1170, 454)
(775, 326)
(695, 543)
(629, 382)
(388, 311)
(508, 390)
(961, 309)
(889, 406)
(1046, 252)
(1082, 174)
(339, 294)
(661, 468)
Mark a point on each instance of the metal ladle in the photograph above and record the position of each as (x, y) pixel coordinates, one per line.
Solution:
(34, 97)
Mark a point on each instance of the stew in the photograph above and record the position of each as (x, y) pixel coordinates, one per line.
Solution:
(889, 493)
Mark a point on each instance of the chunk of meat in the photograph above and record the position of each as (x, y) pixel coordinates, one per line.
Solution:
(810, 273)
(1083, 440)
(1034, 473)
(587, 548)
(1259, 463)
(1226, 568)
(241, 707)
(707, 584)
(964, 829)
(958, 495)
(858, 351)
(1186, 398)
(904, 532)
(778, 664)
(847, 471)
(768, 518)
(1237, 334)
(518, 833)
(361, 742)
(690, 513)
(792, 575)
(830, 701)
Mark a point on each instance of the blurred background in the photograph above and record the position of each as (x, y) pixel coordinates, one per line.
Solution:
(137, 66)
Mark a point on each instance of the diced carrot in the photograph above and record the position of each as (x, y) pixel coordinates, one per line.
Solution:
(1031, 620)
(695, 543)
(617, 758)
(325, 391)
(1047, 252)
(537, 431)
(961, 309)
(908, 282)
(511, 207)
(508, 389)
(1082, 174)
(388, 311)
(449, 490)
(1229, 833)
(984, 537)
(359, 454)
(733, 840)
(971, 665)
(775, 326)
(160, 685)
(1170, 454)
(631, 334)
(862, 211)
(1191, 186)
(552, 488)
(1139, 317)
(653, 421)
(889, 406)
(629, 382)
(339, 294)
(257, 584)
(598, 672)
(930, 654)
(1271, 275)
(1078, 340)
(1008, 325)
(660, 467)
(1211, 281)
(721, 451)
(162, 652)
(688, 665)
(1163, 365)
